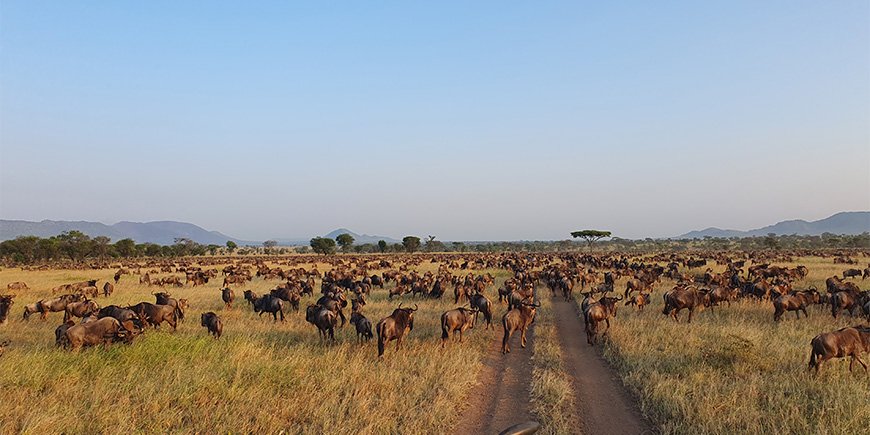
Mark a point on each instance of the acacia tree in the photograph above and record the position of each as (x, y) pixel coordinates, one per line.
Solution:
(322, 245)
(591, 236)
(345, 241)
(411, 243)
(382, 246)
(231, 245)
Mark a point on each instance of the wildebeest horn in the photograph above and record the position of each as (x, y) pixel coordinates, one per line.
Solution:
(400, 305)
(415, 307)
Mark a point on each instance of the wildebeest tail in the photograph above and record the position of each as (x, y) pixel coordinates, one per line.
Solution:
(380, 331)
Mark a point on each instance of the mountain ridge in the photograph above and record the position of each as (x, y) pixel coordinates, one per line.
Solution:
(847, 222)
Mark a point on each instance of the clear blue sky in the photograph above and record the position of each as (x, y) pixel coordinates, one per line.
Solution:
(465, 120)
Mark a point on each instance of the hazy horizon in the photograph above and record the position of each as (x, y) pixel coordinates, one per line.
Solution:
(483, 121)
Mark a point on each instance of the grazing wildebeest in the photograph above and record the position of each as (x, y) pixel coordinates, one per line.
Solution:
(722, 294)
(597, 312)
(228, 297)
(103, 331)
(17, 285)
(518, 319)
(362, 325)
(155, 314)
(163, 298)
(266, 304)
(212, 323)
(334, 301)
(639, 300)
(849, 273)
(6, 302)
(850, 341)
(684, 297)
(80, 309)
(108, 289)
(129, 319)
(482, 305)
(796, 301)
(394, 327)
(324, 319)
(57, 304)
(30, 309)
(60, 332)
(456, 321)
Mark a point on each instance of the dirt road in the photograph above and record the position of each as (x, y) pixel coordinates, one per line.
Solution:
(604, 404)
(501, 398)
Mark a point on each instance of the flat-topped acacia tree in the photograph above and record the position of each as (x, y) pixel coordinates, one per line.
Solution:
(591, 236)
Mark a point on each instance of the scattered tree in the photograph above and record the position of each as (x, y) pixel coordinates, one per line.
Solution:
(382, 246)
(411, 243)
(345, 241)
(231, 245)
(591, 236)
(269, 244)
(323, 245)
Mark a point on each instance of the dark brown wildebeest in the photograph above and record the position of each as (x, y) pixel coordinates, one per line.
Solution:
(128, 318)
(460, 292)
(849, 273)
(324, 319)
(108, 289)
(6, 302)
(17, 285)
(154, 314)
(228, 297)
(377, 280)
(80, 309)
(866, 273)
(598, 312)
(639, 300)
(394, 327)
(518, 319)
(566, 284)
(103, 331)
(362, 325)
(212, 323)
(722, 294)
(288, 295)
(90, 291)
(163, 298)
(117, 276)
(482, 305)
(845, 300)
(684, 297)
(850, 341)
(57, 304)
(266, 304)
(398, 290)
(335, 302)
(146, 279)
(796, 301)
(30, 309)
(60, 332)
(456, 321)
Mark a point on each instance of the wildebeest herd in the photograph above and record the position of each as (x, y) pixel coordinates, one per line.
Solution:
(351, 279)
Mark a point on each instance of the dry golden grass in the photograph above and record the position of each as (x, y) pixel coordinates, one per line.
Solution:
(260, 377)
(736, 371)
(552, 396)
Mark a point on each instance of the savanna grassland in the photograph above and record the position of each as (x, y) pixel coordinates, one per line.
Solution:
(735, 370)
(261, 376)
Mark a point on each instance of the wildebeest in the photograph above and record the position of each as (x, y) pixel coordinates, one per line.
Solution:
(849, 273)
(128, 318)
(228, 297)
(482, 305)
(57, 304)
(394, 327)
(17, 285)
(324, 319)
(30, 309)
(597, 312)
(108, 289)
(80, 309)
(517, 319)
(60, 332)
(163, 298)
(639, 300)
(288, 295)
(845, 300)
(457, 320)
(155, 314)
(6, 302)
(796, 301)
(212, 323)
(684, 297)
(722, 294)
(334, 301)
(850, 341)
(266, 304)
(103, 331)
(362, 325)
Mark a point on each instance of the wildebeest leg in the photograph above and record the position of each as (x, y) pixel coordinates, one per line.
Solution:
(460, 335)
(505, 342)
(523, 337)
(340, 314)
(858, 358)
(281, 312)
(691, 311)
(398, 343)
(607, 322)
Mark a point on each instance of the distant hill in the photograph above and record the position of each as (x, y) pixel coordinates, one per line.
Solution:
(849, 222)
(159, 232)
(360, 239)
